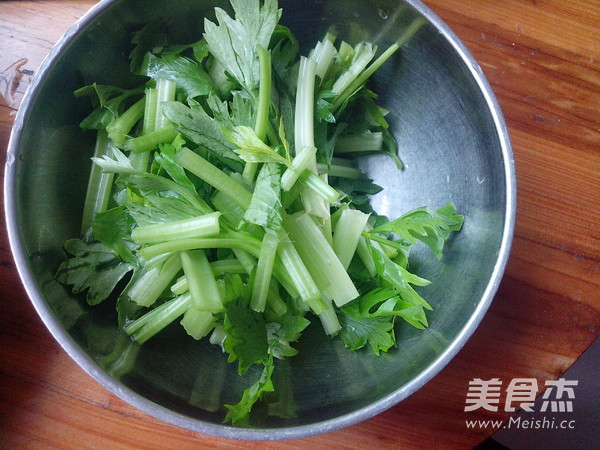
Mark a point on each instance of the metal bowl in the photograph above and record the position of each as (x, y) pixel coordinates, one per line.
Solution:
(454, 143)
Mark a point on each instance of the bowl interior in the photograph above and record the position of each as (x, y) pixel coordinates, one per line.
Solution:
(451, 146)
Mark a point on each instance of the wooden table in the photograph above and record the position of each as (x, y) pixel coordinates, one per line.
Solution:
(542, 58)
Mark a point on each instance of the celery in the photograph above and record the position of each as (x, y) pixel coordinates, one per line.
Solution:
(205, 225)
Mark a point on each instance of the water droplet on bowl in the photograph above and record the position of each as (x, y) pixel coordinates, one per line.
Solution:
(383, 13)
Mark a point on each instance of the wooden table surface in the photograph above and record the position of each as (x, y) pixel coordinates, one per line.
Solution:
(542, 58)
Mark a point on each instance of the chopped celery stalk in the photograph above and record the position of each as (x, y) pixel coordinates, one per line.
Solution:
(363, 54)
(319, 187)
(313, 203)
(165, 93)
(150, 141)
(180, 286)
(149, 287)
(150, 110)
(250, 245)
(340, 171)
(227, 266)
(366, 142)
(300, 277)
(323, 56)
(347, 233)
(197, 323)
(232, 212)
(325, 224)
(119, 128)
(329, 320)
(215, 177)
(363, 252)
(274, 302)
(346, 52)
(364, 76)
(309, 241)
(159, 318)
(301, 162)
(218, 336)
(264, 269)
(304, 134)
(201, 226)
(201, 281)
(247, 260)
(99, 184)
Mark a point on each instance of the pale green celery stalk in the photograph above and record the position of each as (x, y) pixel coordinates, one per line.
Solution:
(262, 108)
(248, 244)
(323, 55)
(347, 233)
(197, 323)
(218, 268)
(99, 184)
(346, 52)
(386, 249)
(304, 134)
(304, 158)
(319, 187)
(145, 327)
(140, 161)
(149, 287)
(166, 93)
(364, 252)
(314, 204)
(325, 224)
(119, 128)
(232, 212)
(301, 278)
(247, 260)
(214, 176)
(340, 170)
(264, 269)
(275, 304)
(364, 53)
(329, 320)
(364, 76)
(201, 281)
(218, 336)
(150, 141)
(366, 142)
(201, 226)
(320, 259)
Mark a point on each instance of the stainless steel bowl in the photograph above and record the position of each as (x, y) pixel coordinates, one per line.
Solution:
(452, 139)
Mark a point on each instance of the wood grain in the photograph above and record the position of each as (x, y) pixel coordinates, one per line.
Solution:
(542, 58)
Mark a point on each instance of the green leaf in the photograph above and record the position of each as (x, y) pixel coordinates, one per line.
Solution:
(359, 331)
(251, 148)
(185, 72)
(431, 227)
(152, 37)
(202, 129)
(234, 42)
(113, 228)
(265, 207)
(94, 267)
(166, 159)
(239, 414)
(246, 335)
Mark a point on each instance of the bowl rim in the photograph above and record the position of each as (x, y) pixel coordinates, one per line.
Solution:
(220, 430)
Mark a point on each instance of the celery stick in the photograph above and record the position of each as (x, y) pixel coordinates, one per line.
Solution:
(201, 281)
(99, 184)
(165, 93)
(304, 157)
(197, 323)
(347, 234)
(366, 142)
(304, 135)
(119, 128)
(309, 242)
(319, 187)
(249, 244)
(201, 226)
(149, 287)
(329, 320)
(275, 304)
(300, 277)
(215, 177)
(150, 141)
(262, 280)
(159, 318)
